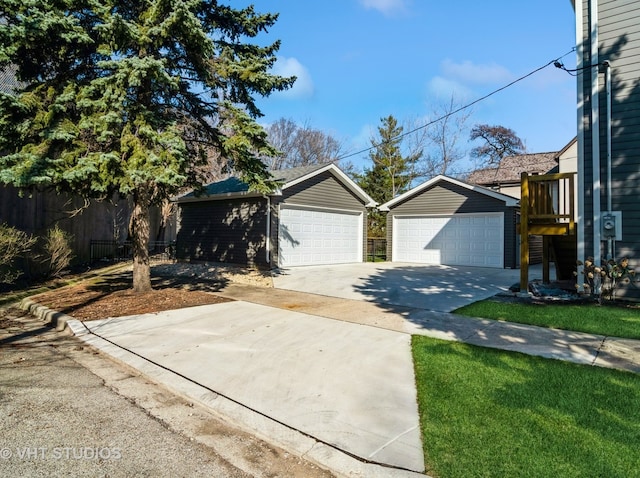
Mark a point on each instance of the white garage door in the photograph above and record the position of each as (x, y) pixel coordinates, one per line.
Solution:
(308, 237)
(460, 239)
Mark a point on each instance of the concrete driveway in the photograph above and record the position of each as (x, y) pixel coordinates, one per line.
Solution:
(431, 287)
(321, 387)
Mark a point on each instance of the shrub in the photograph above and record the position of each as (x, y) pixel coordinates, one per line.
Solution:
(14, 244)
(57, 251)
(601, 281)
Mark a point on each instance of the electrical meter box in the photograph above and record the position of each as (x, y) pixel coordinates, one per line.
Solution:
(611, 225)
(608, 226)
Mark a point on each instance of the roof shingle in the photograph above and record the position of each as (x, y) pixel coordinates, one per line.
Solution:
(511, 167)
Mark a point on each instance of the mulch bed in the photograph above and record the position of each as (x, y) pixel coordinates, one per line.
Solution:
(112, 296)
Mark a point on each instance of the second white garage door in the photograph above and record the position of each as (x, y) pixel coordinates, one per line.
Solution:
(459, 239)
(314, 237)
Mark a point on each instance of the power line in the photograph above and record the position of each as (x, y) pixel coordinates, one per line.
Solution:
(554, 62)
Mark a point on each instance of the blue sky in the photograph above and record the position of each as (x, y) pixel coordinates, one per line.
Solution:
(360, 60)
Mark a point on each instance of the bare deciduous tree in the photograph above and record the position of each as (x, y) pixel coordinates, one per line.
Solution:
(437, 139)
(301, 145)
(499, 142)
(449, 126)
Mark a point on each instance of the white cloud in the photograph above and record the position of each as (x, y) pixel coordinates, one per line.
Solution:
(458, 80)
(446, 88)
(386, 7)
(469, 72)
(303, 86)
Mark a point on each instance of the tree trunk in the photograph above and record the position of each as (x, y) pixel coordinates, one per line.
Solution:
(140, 231)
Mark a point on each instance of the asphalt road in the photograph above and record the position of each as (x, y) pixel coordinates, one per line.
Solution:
(66, 410)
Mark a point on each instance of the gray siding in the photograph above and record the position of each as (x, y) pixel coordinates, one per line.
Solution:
(223, 231)
(618, 42)
(322, 191)
(511, 238)
(447, 198)
(535, 249)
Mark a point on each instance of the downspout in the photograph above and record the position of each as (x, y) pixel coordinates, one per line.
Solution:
(610, 239)
(595, 128)
(268, 244)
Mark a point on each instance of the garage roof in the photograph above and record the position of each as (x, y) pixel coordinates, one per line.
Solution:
(508, 200)
(235, 187)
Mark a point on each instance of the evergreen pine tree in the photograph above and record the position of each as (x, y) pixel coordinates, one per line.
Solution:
(126, 97)
(391, 173)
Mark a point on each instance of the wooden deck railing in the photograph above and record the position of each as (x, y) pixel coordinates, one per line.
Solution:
(547, 204)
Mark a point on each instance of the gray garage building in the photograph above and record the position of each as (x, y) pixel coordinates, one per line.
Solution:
(318, 216)
(450, 222)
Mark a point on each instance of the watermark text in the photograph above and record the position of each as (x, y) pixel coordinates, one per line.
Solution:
(59, 453)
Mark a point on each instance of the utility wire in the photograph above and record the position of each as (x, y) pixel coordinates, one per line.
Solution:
(554, 62)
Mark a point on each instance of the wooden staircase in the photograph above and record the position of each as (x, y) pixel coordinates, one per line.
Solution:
(547, 208)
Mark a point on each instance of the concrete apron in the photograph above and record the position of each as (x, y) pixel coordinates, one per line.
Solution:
(342, 385)
(430, 287)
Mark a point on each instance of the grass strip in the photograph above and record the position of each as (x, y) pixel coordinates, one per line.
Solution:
(609, 320)
(491, 413)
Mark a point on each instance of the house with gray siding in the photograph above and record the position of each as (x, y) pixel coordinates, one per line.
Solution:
(317, 216)
(608, 159)
(451, 222)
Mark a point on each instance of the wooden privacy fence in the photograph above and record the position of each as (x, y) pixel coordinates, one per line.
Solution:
(115, 251)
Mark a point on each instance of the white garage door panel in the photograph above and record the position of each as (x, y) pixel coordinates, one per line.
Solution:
(308, 237)
(462, 239)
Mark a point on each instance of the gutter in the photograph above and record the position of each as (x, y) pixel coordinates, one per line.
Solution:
(205, 197)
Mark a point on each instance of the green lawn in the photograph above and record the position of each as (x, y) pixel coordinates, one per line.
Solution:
(610, 320)
(491, 413)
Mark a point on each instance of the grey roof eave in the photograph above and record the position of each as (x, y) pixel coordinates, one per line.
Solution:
(508, 200)
(216, 197)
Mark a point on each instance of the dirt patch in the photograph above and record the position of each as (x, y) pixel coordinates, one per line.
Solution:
(176, 286)
(86, 303)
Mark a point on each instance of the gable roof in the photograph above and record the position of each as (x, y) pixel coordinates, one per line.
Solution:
(511, 167)
(508, 200)
(566, 148)
(235, 187)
